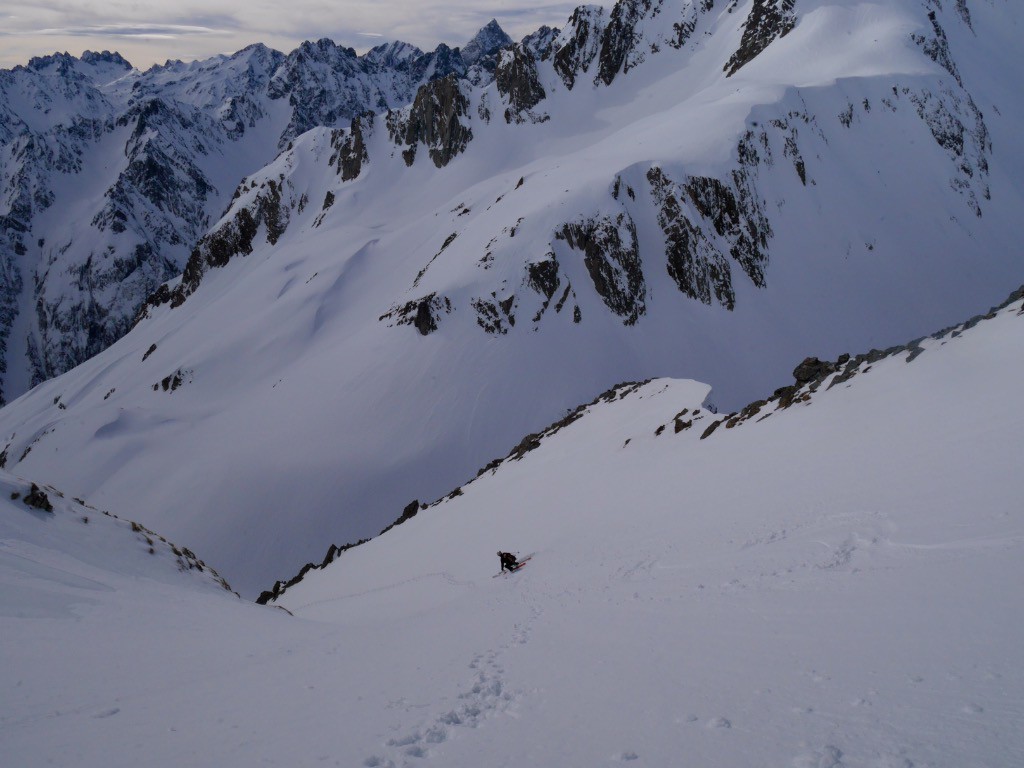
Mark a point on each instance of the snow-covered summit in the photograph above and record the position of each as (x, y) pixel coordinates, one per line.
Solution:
(393, 54)
(488, 41)
(100, 68)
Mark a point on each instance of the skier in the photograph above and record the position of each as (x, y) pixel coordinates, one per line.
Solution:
(508, 561)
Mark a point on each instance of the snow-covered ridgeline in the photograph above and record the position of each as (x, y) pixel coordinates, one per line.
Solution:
(812, 378)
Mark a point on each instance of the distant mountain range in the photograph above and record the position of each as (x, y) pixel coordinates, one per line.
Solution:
(109, 176)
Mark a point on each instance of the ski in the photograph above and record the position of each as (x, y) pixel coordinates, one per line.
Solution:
(519, 565)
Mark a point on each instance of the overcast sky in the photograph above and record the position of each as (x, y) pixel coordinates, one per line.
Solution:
(148, 32)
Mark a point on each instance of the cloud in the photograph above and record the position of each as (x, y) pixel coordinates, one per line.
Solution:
(146, 31)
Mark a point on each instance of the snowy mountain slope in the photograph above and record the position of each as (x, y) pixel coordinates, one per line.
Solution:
(385, 308)
(57, 552)
(813, 378)
(109, 176)
(830, 585)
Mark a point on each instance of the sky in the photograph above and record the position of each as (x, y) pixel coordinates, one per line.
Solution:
(148, 32)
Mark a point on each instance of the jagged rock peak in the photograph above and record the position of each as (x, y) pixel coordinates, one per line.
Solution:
(321, 49)
(488, 40)
(394, 54)
(89, 65)
(39, 63)
(257, 51)
(105, 57)
(438, 64)
(539, 43)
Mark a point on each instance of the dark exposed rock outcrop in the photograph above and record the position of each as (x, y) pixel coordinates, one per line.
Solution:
(233, 238)
(543, 277)
(619, 42)
(722, 216)
(495, 315)
(438, 119)
(698, 268)
(587, 25)
(350, 147)
(612, 257)
(38, 499)
(519, 84)
(936, 47)
(621, 39)
(958, 126)
(332, 553)
(768, 21)
(424, 313)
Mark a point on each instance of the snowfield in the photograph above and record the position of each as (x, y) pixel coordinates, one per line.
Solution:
(836, 583)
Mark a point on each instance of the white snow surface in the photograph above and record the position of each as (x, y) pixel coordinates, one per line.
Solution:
(306, 420)
(837, 584)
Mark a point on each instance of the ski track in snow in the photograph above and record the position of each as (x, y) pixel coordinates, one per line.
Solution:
(486, 695)
(443, 575)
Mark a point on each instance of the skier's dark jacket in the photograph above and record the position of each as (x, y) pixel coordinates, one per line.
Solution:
(508, 560)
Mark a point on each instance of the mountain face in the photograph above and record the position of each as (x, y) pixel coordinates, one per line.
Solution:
(660, 188)
(110, 176)
(827, 582)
